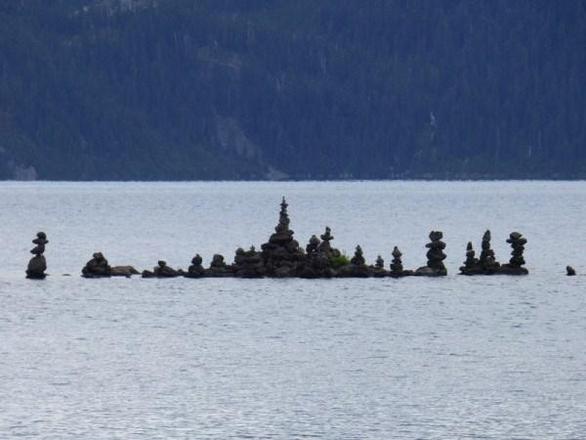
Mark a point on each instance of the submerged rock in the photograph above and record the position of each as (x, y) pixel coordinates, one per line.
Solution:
(38, 264)
(570, 271)
(123, 271)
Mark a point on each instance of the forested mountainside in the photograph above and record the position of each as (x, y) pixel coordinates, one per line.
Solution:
(304, 89)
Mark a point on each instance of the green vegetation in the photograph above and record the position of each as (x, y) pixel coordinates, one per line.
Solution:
(234, 89)
(338, 261)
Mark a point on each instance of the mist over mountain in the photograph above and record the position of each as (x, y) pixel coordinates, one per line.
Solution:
(305, 89)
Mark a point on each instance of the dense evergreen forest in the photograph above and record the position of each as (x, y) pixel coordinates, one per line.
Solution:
(304, 89)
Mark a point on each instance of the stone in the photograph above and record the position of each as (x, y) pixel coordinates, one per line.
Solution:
(471, 264)
(397, 270)
(516, 263)
(218, 268)
(123, 271)
(281, 255)
(248, 264)
(37, 265)
(435, 256)
(162, 270)
(97, 267)
(378, 270)
(487, 260)
(195, 270)
(570, 271)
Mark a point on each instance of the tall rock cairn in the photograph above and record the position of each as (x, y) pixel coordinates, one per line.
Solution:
(516, 263)
(435, 256)
(397, 270)
(471, 265)
(487, 259)
(281, 254)
(38, 265)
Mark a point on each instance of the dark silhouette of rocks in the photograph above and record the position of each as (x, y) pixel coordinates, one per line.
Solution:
(97, 267)
(435, 257)
(282, 255)
(123, 271)
(378, 270)
(218, 268)
(472, 264)
(397, 270)
(325, 246)
(195, 270)
(487, 260)
(161, 270)
(248, 264)
(37, 265)
(357, 267)
(570, 271)
(317, 263)
(516, 263)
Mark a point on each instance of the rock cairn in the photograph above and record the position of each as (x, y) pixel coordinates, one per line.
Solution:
(325, 246)
(38, 264)
(97, 267)
(472, 264)
(516, 263)
(487, 261)
(196, 269)
(218, 268)
(282, 255)
(378, 270)
(435, 256)
(397, 270)
(248, 264)
(357, 267)
(317, 263)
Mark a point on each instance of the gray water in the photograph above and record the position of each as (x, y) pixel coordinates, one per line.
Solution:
(459, 357)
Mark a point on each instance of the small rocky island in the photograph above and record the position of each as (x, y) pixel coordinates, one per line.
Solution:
(282, 257)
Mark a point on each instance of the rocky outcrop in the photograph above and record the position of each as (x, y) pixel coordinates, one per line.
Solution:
(435, 257)
(97, 267)
(248, 264)
(281, 255)
(38, 264)
(516, 263)
(123, 271)
(162, 270)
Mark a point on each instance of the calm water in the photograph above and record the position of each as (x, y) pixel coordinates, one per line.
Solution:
(482, 357)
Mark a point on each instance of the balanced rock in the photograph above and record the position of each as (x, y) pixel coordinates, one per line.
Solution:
(397, 270)
(516, 263)
(487, 260)
(38, 264)
(357, 267)
(218, 268)
(281, 255)
(378, 270)
(316, 264)
(435, 257)
(97, 267)
(471, 265)
(195, 270)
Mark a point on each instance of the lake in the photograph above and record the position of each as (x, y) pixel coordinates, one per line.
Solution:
(456, 357)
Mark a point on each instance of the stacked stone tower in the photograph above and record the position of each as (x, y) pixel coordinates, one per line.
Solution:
(516, 263)
(38, 264)
(435, 256)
